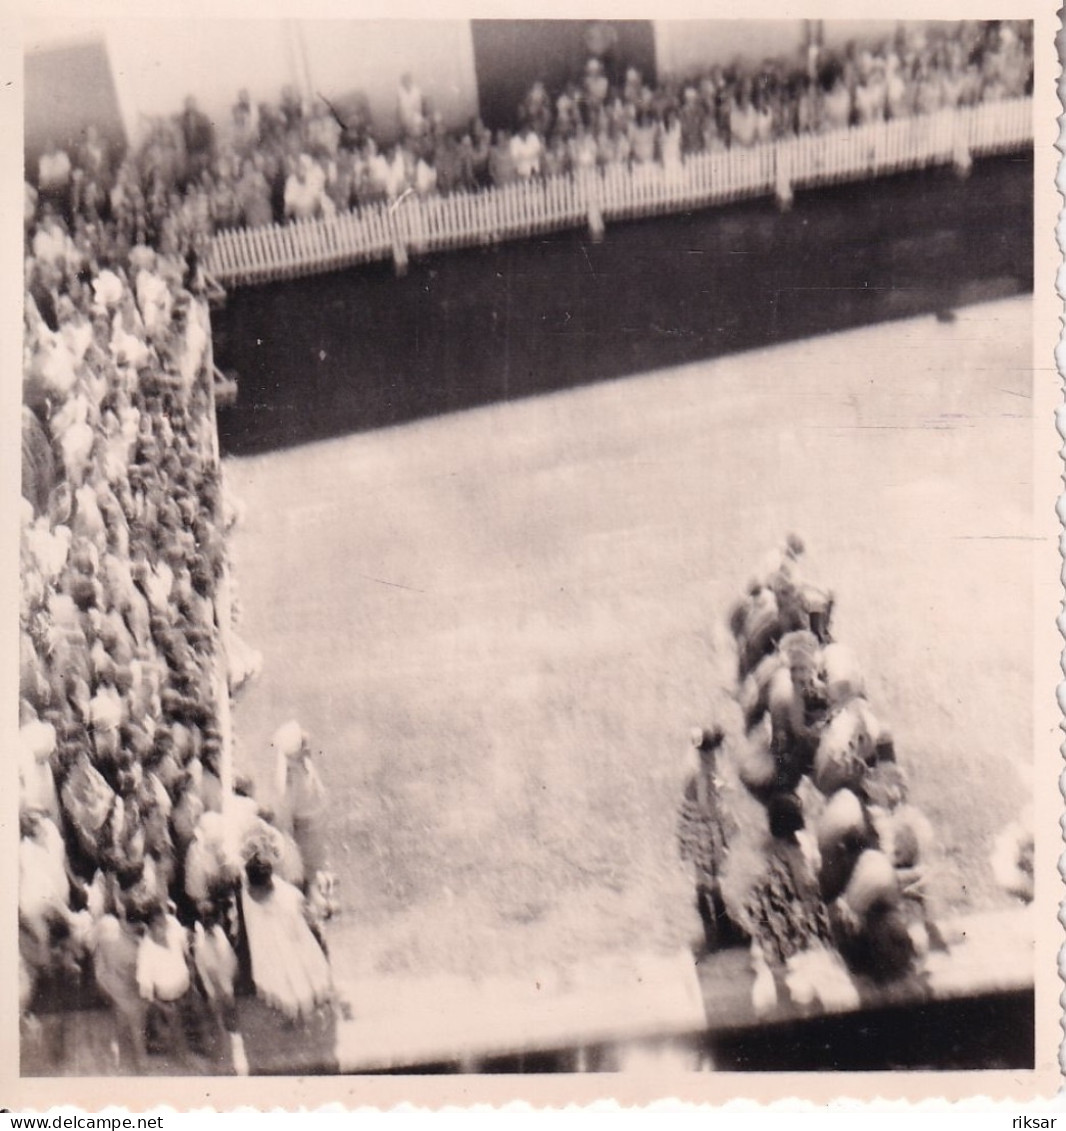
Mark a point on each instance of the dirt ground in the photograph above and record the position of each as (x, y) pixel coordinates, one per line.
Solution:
(500, 625)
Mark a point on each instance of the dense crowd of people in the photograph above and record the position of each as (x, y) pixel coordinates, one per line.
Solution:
(290, 160)
(141, 880)
(138, 875)
(823, 871)
(796, 821)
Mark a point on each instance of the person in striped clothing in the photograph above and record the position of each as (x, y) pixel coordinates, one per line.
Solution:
(702, 836)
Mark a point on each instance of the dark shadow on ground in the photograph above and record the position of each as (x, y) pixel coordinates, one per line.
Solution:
(362, 349)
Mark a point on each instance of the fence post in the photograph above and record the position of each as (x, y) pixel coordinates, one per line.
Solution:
(783, 175)
(399, 244)
(593, 203)
(961, 158)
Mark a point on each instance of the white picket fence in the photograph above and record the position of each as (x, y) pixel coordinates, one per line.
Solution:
(419, 225)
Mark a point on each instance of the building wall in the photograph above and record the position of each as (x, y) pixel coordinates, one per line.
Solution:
(838, 33)
(683, 47)
(69, 87)
(156, 63)
(345, 56)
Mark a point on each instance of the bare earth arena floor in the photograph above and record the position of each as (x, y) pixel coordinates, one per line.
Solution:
(500, 625)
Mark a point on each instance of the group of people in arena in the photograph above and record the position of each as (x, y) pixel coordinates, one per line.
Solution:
(143, 883)
(798, 823)
(292, 159)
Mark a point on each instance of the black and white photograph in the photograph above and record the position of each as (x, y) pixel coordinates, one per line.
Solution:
(531, 545)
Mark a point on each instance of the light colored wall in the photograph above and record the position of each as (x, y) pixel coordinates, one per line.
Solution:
(156, 63)
(346, 56)
(837, 33)
(840, 32)
(685, 46)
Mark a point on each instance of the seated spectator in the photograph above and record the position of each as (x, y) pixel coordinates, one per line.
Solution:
(615, 147)
(691, 117)
(399, 174)
(633, 88)
(244, 124)
(425, 178)
(871, 93)
(927, 88)
(644, 139)
(29, 206)
(501, 161)
(583, 151)
(1014, 57)
(291, 108)
(601, 42)
(340, 180)
(743, 122)
(556, 160)
(50, 240)
(670, 144)
(54, 171)
(448, 163)
(432, 136)
(303, 190)
(377, 173)
(225, 205)
(536, 111)
(410, 107)
(481, 145)
(271, 126)
(323, 132)
(596, 85)
(199, 137)
(352, 114)
(526, 153)
(836, 98)
(94, 157)
(896, 96)
(666, 99)
(566, 114)
(764, 118)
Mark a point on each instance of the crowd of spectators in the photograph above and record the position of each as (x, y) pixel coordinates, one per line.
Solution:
(294, 160)
(125, 663)
(124, 519)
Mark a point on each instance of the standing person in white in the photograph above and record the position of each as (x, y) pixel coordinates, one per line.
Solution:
(301, 796)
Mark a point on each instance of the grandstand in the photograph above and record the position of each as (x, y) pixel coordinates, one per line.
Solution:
(508, 447)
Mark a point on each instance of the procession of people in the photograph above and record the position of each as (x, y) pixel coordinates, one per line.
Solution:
(796, 819)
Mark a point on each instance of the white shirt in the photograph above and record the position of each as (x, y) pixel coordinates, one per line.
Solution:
(301, 198)
(53, 170)
(162, 972)
(525, 152)
(410, 105)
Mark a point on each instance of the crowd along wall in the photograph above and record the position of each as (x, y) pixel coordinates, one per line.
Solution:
(517, 211)
(463, 67)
